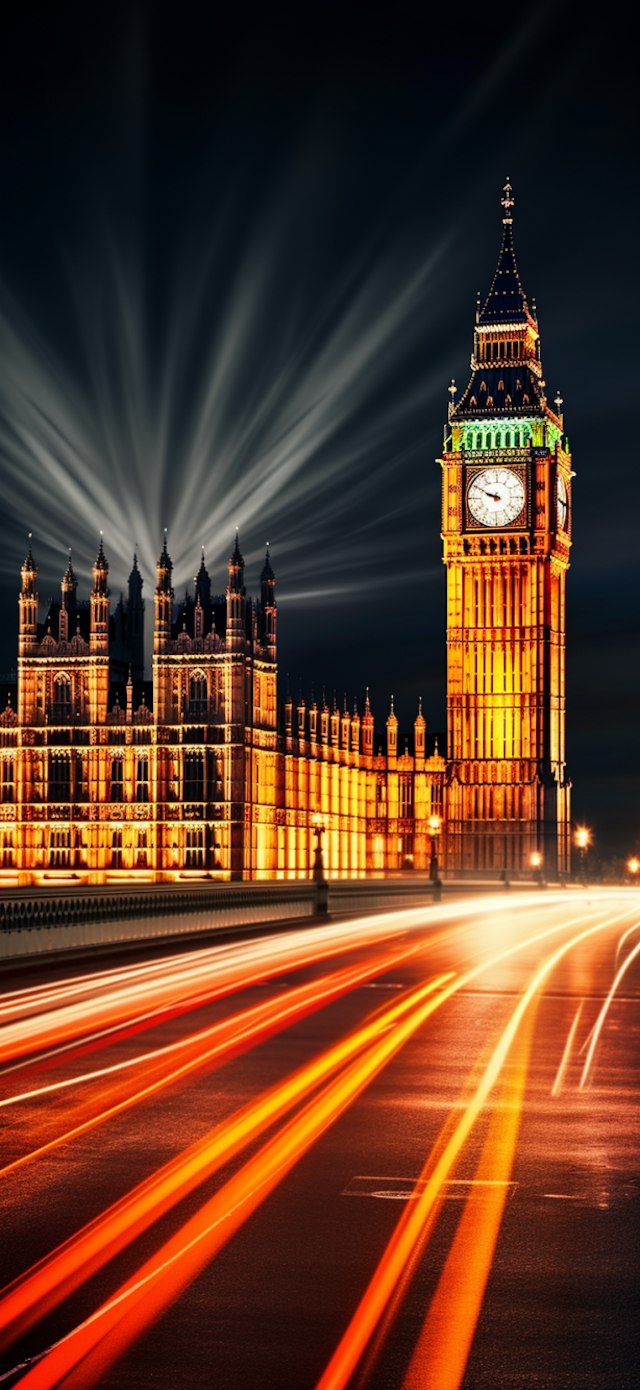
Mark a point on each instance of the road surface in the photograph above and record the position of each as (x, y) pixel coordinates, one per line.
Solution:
(399, 1151)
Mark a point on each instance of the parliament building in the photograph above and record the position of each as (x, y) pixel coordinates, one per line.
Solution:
(205, 771)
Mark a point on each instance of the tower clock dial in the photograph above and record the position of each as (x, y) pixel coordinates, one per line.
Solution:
(562, 503)
(496, 496)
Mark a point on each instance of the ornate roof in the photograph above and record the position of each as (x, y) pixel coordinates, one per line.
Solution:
(499, 388)
(506, 301)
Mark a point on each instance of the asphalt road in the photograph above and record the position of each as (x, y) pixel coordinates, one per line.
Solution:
(398, 1152)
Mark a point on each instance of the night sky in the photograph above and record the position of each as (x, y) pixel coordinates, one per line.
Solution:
(239, 257)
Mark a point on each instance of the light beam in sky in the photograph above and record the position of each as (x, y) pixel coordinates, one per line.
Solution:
(246, 402)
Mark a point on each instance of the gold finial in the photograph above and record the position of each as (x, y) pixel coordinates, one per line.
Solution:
(507, 201)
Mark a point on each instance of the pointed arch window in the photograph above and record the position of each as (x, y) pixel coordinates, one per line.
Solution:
(525, 400)
(501, 385)
(198, 701)
(193, 789)
(62, 698)
(142, 778)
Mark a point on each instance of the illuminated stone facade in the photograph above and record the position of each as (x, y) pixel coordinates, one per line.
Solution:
(506, 517)
(106, 779)
(198, 773)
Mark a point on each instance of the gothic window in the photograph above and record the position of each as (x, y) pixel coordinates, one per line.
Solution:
(489, 402)
(8, 781)
(483, 386)
(473, 402)
(116, 849)
(478, 440)
(61, 699)
(525, 400)
(198, 695)
(59, 848)
(507, 439)
(195, 848)
(381, 799)
(193, 777)
(141, 854)
(59, 777)
(406, 797)
(501, 385)
(117, 779)
(142, 779)
(6, 849)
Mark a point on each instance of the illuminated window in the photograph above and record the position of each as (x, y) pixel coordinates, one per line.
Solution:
(406, 797)
(8, 781)
(193, 777)
(507, 439)
(117, 779)
(59, 848)
(116, 849)
(195, 848)
(142, 779)
(198, 695)
(141, 853)
(61, 699)
(59, 777)
(6, 849)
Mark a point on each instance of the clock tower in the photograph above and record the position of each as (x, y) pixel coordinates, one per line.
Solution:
(506, 526)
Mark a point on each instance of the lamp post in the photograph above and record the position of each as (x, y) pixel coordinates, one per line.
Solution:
(536, 865)
(318, 874)
(435, 826)
(582, 839)
(633, 866)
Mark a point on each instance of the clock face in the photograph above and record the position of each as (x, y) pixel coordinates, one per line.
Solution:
(496, 496)
(562, 503)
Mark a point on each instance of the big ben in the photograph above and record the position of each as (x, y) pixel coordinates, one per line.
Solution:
(506, 527)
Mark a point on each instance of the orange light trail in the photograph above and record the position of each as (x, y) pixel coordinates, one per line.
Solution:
(161, 1278)
(408, 1232)
(66, 1024)
(441, 1352)
(195, 1244)
(597, 1029)
(555, 1089)
(218, 1043)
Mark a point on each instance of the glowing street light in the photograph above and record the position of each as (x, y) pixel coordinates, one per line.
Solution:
(536, 865)
(435, 826)
(633, 866)
(318, 875)
(582, 839)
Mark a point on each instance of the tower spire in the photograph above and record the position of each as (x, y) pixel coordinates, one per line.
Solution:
(507, 202)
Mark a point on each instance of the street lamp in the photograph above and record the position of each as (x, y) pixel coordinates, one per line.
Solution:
(435, 826)
(318, 874)
(536, 865)
(582, 839)
(633, 866)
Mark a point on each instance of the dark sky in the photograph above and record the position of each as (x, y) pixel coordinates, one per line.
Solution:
(239, 255)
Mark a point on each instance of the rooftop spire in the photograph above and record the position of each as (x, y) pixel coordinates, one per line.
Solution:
(29, 565)
(236, 558)
(507, 201)
(506, 301)
(101, 559)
